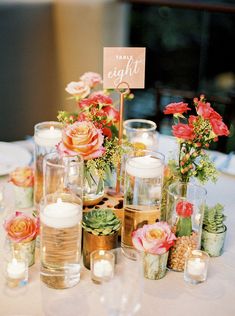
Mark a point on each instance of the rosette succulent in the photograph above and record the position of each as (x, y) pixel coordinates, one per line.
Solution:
(214, 218)
(101, 222)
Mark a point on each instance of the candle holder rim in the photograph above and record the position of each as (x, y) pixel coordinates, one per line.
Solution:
(153, 153)
(152, 128)
(178, 183)
(196, 252)
(67, 158)
(41, 124)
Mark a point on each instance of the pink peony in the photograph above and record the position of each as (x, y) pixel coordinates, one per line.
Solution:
(183, 131)
(176, 108)
(78, 89)
(82, 138)
(91, 79)
(156, 238)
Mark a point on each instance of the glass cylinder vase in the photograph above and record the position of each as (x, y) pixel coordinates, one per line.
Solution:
(185, 211)
(142, 193)
(141, 133)
(93, 189)
(60, 221)
(46, 136)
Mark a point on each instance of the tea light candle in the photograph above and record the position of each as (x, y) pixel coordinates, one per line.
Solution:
(196, 267)
(102, 265)
(16, 269)
(102, 268)
(145, 139)
(48, 137)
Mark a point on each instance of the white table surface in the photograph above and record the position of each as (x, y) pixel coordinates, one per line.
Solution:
(170, 296)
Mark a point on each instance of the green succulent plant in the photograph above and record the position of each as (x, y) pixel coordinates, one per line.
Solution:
(214, 218)
(101, 222)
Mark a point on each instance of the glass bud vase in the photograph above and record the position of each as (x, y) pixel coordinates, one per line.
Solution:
(185, 211)
(93, 189)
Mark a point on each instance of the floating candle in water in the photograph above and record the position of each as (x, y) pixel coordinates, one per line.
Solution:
(144, 167)
(48, 137)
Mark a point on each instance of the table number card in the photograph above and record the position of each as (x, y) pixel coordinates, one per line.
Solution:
(124, 64)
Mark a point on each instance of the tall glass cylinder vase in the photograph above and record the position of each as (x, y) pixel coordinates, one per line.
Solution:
(46, 136)
(142, 193)
(60, 221)
(185, 211)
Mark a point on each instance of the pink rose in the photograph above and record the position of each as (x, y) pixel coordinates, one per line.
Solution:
(156, 238)
(91, 79)
(21, 227)
(82, 138)
(183, 131)
(218, 127)
(78, 89)
(176, 108)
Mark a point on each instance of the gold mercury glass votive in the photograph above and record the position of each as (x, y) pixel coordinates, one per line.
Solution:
(102, 265)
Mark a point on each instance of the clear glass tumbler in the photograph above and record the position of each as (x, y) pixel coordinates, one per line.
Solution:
(46, 136)
(141, 133)
(142, 193)
(60, 221)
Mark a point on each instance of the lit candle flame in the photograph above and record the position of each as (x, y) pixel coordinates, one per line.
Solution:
(52, 128)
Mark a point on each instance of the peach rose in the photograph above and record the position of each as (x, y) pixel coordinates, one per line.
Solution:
(78, 89)
(22, 177)
(82, 138)
(91, 79)
(21, 227)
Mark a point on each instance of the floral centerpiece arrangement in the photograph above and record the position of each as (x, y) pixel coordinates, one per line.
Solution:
(194, 134)
(92, 132)
(22, 231)
(154, 241)
(22, 178)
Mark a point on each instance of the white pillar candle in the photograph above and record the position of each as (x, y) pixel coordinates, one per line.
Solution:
(102, 268)
(61, 214)
(16, 269)
(144, 167)
(196, 267)
(48, 137)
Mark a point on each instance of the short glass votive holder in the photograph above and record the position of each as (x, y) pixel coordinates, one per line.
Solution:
(196, 266)
(141, 133)
(102, 266)
(16, 269)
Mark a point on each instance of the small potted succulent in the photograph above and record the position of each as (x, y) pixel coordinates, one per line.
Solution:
(214, 230)
(100, 231)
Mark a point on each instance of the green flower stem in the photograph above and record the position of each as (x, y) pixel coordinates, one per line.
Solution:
(184, 226)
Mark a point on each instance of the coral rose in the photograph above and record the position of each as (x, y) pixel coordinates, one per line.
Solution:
(184, 209)
(176, 108)
(22, 177)
(183, 131)
(156, 238)
(96, 100)
(78, 89)
(111, 113)
(204, 109)
(82, 138)
(21, 227)
(91, 79)
(219, 128)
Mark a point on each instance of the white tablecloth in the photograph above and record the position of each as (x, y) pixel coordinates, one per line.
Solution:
(170, 296)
